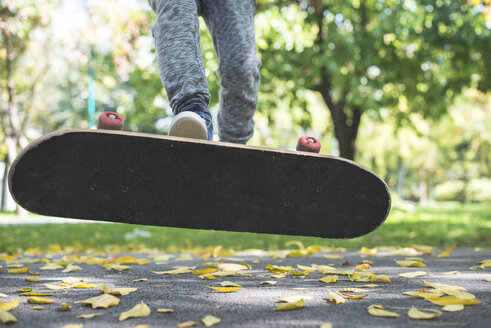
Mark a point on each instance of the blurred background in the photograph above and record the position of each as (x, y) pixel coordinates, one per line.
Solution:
(401, 86)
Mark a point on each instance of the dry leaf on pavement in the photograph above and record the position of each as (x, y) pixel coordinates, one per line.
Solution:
(187, 324)
(210, 320)
(102, 301)
(414, 313)
(453, 307)
(290, 306)
(225, 289)
(6, 317)
(88, 316)
(378, 311)
(139, 310)
(414, 274)
(329, 279)
(39, 300)
(336, 298)
(10, 305)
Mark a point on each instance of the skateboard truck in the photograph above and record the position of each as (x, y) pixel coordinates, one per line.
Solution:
(114, 121)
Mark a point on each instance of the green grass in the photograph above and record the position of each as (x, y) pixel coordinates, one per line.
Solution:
(439, 225)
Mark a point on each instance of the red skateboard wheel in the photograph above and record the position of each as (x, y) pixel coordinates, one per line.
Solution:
(110, 121)
(309, 144)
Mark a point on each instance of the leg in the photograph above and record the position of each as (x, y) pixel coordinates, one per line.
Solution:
(176, 33)
(231, 24)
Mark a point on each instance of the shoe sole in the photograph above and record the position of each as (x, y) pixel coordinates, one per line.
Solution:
(188, 125)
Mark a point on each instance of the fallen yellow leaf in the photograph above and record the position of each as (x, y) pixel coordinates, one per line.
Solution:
(51, 266)
(484, 263)
(119, 267)
(453, 307)
(165, 310)
(115, 291)
(336, 298)
(410, 264)
(33, 279)
(140, 280)
(39, 300)
(447, 289)
(6, 317)
(294, 299)
(65, 307)
(446, 252)
(453, 300)
(413, 274)
(176, 270)
(279, 269)
(233, 267)
(18, 271)
(351, 297)
(378, 278)
(187, 324)
(329, 279)
(362, 266)
(139, 310)
(38, 308)
(425, 293)
(102, 301)
(210, 320)
(225, 289)
(131, 260)
(10, 305)
(35, 294)
(83, 285)
(378, 311)
(205, 271)
(70, 268)
(354, 290)
(290, 306)
(3, 295)
(229, 284)
(368, 251)
(326, 325)
(55, 287)
(452, 272)
(414, 313)
(208, 276)
(88, 316)
(488, 279)
(268, 282)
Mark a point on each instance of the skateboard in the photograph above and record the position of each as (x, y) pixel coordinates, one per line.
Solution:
(138, 178)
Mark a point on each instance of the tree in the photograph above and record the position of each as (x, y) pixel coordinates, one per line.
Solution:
(18, 83)
(363, 55)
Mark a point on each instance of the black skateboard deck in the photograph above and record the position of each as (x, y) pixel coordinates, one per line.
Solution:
(177, 182)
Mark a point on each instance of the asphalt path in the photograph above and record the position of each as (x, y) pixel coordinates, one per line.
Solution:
(253, 305)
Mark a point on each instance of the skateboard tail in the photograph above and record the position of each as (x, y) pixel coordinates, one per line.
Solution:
(157, 180)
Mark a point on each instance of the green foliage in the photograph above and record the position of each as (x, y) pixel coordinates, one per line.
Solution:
(450, 190)
(365, 55)
(479, 190)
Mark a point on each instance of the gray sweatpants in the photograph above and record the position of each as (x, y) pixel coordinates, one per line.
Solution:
(231, 25)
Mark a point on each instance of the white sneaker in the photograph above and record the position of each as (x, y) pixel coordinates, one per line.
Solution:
(188, 124)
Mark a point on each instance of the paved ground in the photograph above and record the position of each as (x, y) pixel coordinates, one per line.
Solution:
(252, 306)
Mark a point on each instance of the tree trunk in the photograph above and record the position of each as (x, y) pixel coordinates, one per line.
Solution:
(345, 126)
(10, 118)
(3, 200)
(346, 120)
